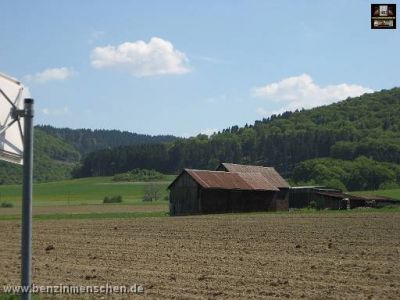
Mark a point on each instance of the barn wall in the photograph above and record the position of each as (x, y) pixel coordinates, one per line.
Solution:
(326, 202)
(283, 194)
(282, 199)
(281, 204)
(357, 203)
(215, 201)
(222, 201)
(300, 198)
(184, 196)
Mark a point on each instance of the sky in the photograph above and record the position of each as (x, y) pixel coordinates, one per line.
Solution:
(190, 67)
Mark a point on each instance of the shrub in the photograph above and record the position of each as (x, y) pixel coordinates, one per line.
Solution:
(113, 199)
(147, 197)
(6, 205)
(139, 175)
(312, 205)
(152, 192)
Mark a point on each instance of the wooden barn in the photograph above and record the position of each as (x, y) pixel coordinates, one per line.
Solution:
(268, 172)
(204, 192)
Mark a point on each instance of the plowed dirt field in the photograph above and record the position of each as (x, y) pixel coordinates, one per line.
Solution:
(245, 256)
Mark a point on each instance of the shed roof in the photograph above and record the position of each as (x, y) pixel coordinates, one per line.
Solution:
(342, 196)
(229, 180)
(268, 172)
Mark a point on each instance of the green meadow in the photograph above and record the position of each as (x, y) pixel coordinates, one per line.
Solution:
(84, 191)
(391, 193)
(92, 190)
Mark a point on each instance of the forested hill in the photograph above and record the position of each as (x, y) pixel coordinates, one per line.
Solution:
(87, 140)
(366, 128)
(353, 144)
(54, 160)
(57, 152)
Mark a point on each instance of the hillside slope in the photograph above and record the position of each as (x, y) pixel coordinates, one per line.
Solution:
(365, 126)
(53, 160)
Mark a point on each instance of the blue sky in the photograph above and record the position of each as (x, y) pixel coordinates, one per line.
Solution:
(185, 67)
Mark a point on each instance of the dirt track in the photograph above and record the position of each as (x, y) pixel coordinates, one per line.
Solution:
(328, 256)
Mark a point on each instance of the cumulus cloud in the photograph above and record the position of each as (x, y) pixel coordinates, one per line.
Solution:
(302, 92)
(52, 74)
(157, 57)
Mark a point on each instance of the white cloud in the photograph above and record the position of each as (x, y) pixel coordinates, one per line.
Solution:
(157, 57)
(54, 74)
(301, 92)
(209, 131)
(56, 111)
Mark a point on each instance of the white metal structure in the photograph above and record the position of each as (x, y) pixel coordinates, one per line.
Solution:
(12, 94)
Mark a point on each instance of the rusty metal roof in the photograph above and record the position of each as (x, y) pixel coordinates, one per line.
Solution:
(231, 180)
(268, 172)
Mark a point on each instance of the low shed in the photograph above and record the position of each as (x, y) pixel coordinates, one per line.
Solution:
(302, 196)
(338, 200)
(201, 191)
(326, 198)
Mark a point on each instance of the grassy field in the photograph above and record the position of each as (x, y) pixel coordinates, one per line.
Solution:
(93, 190)
(82, 191)
(82, 199)
(393, 193)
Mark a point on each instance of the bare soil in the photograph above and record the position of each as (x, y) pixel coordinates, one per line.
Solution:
(88, 208)
(253, 256)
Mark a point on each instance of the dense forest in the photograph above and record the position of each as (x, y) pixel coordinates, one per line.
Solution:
(87, 140)
(361, 133)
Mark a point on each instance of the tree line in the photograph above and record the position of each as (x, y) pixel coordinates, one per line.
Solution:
(88, 140)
